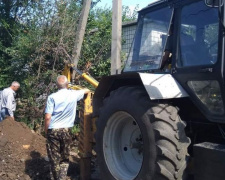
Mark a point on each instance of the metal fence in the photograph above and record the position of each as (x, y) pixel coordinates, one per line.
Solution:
(128, 31)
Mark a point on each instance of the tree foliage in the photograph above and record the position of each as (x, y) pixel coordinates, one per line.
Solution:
(38, 36)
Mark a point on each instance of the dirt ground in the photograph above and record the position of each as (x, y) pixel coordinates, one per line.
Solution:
(23, 154)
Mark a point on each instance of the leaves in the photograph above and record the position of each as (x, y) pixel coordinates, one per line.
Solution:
(37, 37)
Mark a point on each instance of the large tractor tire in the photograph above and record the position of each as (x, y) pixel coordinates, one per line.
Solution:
(137, 139)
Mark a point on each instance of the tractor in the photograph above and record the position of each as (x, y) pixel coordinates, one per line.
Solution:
(156, 122)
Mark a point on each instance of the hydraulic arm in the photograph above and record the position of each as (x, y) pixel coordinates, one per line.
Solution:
(87, 77)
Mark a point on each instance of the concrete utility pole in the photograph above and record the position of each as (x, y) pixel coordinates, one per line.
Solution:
(116, 37)
(81, 31)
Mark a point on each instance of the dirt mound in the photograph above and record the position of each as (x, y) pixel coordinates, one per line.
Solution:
(22, 152)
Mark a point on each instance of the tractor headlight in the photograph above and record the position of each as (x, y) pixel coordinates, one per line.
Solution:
(209, 94)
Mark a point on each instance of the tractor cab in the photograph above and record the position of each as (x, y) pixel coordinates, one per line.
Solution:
(174, 76)
(146, 127)
(193, 34)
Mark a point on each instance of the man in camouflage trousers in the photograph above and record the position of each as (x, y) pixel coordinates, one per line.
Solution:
(60, 114)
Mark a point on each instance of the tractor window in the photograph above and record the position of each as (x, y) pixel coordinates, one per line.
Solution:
(209, 94)
(149, 41)
(198, 38)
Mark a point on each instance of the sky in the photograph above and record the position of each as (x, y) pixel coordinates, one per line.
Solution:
(131, 3)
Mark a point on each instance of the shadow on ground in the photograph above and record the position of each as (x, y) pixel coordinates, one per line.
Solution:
(37, 167)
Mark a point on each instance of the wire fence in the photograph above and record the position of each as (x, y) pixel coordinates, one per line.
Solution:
(128, 32)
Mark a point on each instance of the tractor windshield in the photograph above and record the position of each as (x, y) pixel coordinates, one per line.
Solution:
(199, 35)
(149, 41)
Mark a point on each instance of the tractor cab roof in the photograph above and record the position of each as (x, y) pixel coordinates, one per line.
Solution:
(157, 3)
(170, 3)
(154, 4)
(162, 3)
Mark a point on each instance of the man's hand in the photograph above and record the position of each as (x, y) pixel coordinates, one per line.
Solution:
(165, 59)
(47, 121)
(86, 91)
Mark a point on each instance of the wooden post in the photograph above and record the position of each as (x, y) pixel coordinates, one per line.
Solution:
(116, 37)
(80, 33)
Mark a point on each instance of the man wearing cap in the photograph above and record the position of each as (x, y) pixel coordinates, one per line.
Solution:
(60, 114)
(7, 101)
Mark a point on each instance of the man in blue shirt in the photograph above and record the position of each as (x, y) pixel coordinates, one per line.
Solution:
(60, 114)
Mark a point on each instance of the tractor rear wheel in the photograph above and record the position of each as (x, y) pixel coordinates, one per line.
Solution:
(138, 139)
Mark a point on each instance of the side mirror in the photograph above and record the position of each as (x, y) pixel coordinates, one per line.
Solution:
(213, 3)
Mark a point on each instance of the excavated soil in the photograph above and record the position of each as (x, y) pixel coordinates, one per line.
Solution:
(23, 154)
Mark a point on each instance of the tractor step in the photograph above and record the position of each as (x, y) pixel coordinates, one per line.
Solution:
(209, 161)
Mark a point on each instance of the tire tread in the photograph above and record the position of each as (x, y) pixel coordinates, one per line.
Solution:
(167, 126)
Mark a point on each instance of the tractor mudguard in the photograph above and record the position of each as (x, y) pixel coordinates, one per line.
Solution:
(158, 86)
(162, 86)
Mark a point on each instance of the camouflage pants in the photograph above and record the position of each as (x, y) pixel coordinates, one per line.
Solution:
(58, 148)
